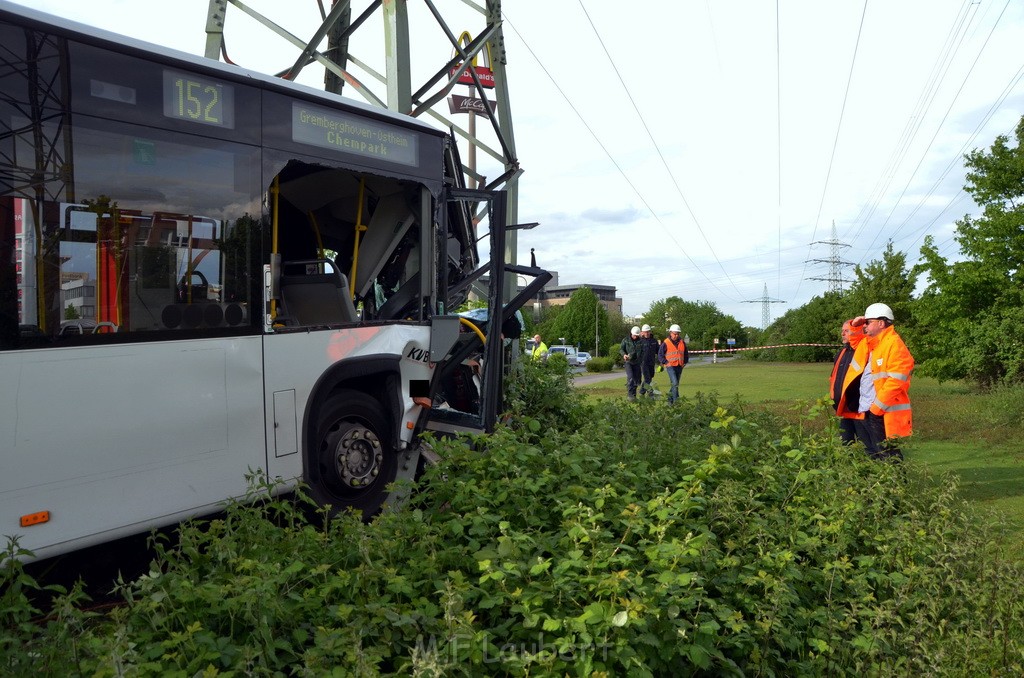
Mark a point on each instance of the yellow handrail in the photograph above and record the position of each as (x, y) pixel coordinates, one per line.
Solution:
(470, 325)
(355, 245)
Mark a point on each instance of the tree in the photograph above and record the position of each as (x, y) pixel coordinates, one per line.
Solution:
(71, 312)
(972, 308)
(700, 320)
(579, 319)
(816, 322)
(618, 328)
(888, 281)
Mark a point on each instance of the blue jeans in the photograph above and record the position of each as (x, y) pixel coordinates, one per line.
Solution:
(673, 379)
(871, 432)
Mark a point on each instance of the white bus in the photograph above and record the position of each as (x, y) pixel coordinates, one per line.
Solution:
(206, 271)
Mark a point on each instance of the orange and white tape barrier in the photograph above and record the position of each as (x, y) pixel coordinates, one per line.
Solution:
(761, 348)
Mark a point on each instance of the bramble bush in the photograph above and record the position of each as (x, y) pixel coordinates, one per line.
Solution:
(579, 539)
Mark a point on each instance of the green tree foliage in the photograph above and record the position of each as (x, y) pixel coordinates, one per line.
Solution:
(700, 320)
(618, 328)
(577, 323)
(548, 318)
(972, 308)
(886, 280)
(816, 322)
(71, 313)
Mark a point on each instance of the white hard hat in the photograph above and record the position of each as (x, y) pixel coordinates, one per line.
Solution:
(635, 330)
(879, 311)
(674, 328)
(645, 328)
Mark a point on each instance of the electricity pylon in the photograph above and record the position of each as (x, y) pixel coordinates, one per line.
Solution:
(393, 88)
(835, 264)
(766, 302)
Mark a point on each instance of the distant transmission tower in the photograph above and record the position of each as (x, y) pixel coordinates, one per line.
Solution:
(765, 301)
(835, 264)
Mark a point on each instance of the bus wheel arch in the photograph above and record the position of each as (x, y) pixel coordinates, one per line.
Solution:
(350, 456)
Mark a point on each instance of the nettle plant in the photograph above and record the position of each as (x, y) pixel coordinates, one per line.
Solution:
(578, 539)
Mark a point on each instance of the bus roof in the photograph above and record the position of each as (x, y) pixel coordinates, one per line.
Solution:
(124, 43)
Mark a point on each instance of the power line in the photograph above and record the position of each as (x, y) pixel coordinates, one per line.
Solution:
(913, 125)
(941, 123)
(839, 127)
(657, 147)
(614, 162)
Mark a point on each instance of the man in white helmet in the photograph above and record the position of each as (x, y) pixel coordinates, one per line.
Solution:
(673, 355)
(884, 364)
(648, 359)
(630, 348)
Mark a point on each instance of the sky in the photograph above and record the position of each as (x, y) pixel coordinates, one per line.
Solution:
(701, 148)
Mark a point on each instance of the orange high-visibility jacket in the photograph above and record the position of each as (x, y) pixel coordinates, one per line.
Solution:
(674, 354)
(843, 408)
(892, 366)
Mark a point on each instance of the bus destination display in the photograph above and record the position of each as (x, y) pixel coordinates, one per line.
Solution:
(195, 99)
(330, 129)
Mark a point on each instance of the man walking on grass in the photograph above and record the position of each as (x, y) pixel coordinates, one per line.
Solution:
(631, 348)
(648, 359)
(673, 356)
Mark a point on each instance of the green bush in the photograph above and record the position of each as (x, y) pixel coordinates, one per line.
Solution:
(579, 538)
(600, 365)
(615, 354)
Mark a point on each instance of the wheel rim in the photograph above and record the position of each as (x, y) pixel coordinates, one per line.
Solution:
(351, 456)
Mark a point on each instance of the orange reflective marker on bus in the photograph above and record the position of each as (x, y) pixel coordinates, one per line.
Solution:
(37, 518)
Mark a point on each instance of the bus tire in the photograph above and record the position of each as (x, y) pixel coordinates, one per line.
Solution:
(351, 459)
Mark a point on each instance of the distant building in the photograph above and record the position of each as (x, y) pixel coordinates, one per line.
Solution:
(554, 294)
(78, 291)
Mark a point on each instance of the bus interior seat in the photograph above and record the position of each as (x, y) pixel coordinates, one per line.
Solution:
(316, 298)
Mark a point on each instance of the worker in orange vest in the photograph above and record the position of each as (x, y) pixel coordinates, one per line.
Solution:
(673, 356)
(885, 365)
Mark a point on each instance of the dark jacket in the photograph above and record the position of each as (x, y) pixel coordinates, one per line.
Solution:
(648, 351)
(839, 366)
(631, 347)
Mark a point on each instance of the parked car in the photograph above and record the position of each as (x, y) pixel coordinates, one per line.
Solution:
(582, 357)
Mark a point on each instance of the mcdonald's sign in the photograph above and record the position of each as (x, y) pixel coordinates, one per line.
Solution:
(484, 73)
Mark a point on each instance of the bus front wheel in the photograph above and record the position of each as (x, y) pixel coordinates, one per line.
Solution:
(352, 460)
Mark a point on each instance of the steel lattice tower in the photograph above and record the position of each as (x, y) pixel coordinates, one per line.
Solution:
(393, 89)
(835, 278)
(766, 302)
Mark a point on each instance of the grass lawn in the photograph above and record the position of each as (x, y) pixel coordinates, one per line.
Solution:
(975, 436)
